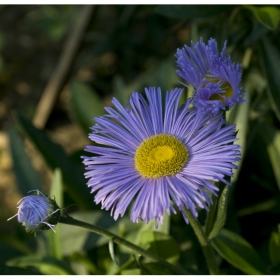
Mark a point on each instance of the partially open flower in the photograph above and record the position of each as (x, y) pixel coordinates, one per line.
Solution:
(215, 78)
(37, 212)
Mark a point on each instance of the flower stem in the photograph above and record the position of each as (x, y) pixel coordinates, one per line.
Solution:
(71, 221)
(204, 242)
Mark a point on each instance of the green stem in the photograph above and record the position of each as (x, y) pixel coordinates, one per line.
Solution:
(70, 221)
(204, 242)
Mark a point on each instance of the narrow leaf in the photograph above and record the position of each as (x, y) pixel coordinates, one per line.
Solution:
(27, 177)
(274, 248)
(239, 116)
(221, 213)
(56, 157)
(112, 252)
(56, 192)
(271, 137)
(238, 252)
(271, 61)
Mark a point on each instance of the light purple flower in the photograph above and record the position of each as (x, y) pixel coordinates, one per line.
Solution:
(216, 80)
(152, 153)
(37, 212)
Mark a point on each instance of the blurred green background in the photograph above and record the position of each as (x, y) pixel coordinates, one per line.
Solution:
(61, 64)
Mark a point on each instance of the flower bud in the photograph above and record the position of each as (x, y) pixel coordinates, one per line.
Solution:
(37, 212)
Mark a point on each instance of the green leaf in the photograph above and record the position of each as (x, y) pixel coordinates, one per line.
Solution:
(192, 11)
(221, 213)
(27, 177)
(271, 137)
(133, 271)
(112, 251)
(56, 157)
(239, 115)
(46, 265)
(269, 16)
(274, 248)
(85, 104)
(161, 245)
(133, 232)
(271, 62)
(56, 192)
(75, 239)
(238, 252)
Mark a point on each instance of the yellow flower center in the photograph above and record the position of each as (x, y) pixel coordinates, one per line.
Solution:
(160, 155)
(226, 87)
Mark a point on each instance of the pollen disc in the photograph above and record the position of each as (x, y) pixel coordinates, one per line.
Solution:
(160, 155)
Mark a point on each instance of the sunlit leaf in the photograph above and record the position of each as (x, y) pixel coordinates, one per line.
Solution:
(134, 230)
(133, 271)
(269, 16)
(56, 192)
(238, 252)
(161, 245)
(27, 177)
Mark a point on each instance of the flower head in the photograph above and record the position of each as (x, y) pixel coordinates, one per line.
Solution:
(37, 212)
(215, 78)
(152, 153)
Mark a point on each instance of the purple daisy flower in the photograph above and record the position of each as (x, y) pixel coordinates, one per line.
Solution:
(154, 154)
(37, 212)
(202, 66)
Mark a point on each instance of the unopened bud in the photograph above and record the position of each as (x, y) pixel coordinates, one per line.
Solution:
(37, 212)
